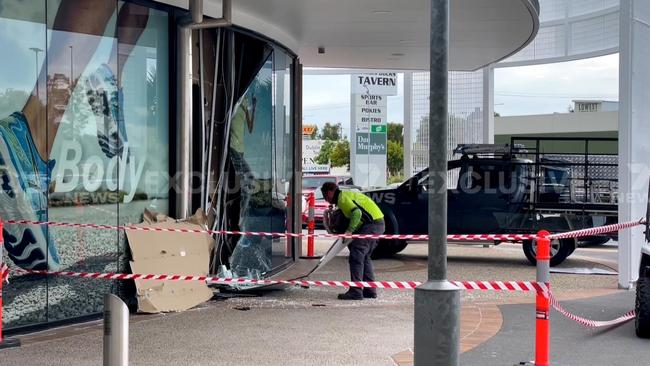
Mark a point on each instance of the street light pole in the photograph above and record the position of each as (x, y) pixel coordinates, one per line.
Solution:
(71, 71)
(36, 51)
(437, 302)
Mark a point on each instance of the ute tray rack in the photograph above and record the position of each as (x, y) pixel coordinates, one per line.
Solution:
(569, 175)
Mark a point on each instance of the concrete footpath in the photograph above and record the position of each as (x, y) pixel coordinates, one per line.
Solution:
(300, 326)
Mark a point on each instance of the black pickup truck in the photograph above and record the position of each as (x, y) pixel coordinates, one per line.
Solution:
(497, 189)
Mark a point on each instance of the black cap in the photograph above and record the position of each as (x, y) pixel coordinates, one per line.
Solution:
(327, 187)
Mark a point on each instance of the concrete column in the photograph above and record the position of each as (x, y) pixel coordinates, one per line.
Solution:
(488, 105)
(408, 124)
(634, 135)
(437, 302)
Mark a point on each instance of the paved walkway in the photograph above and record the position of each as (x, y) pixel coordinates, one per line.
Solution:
(481, 321)
(310, 327)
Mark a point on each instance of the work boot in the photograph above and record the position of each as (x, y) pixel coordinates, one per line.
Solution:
(369, 294)
(350, 295)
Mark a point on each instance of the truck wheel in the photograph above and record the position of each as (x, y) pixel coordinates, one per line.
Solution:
(642, 308)
(560, 250)
(387, 248)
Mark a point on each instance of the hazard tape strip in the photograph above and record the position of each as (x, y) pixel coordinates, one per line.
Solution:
(597, 230)
(588, 322)
(461, 237)
(467, 285)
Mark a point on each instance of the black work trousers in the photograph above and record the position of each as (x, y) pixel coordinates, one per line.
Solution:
(360, 251)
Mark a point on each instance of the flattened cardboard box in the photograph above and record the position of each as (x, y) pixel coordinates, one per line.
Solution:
(159, 252)
(162, 296)
(161, 244)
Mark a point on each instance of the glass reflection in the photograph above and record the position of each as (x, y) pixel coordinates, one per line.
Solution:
(23, 171)
(250, 150)
(68, 123)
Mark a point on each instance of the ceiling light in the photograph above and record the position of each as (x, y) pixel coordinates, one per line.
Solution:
(398, 54)
(381, 12)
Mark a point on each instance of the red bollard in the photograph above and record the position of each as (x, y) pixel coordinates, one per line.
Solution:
(543, 301)
(4, 342)
(311, 224)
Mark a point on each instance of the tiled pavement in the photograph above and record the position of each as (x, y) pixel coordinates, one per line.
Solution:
(481, 321)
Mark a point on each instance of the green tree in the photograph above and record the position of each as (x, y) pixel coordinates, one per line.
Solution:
(314, 134)
(340, 155)
(331, 131)
(395, 158)
(396, 132)
(325, 152)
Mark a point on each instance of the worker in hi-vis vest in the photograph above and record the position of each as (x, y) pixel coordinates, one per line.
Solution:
(365, 218)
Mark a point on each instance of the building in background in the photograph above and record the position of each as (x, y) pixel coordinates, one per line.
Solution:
(591, 118)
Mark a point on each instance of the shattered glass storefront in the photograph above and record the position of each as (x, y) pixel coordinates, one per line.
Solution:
(87, 135)
(255, 181)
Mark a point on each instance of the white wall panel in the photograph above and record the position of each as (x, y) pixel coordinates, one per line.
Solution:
(569, 30)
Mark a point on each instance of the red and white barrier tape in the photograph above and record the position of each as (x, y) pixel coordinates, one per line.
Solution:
(463, 237)
(458, 237)
(467, 285)
(588, 322)
(597, 230)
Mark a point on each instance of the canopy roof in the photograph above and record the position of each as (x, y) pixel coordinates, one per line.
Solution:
(387, 34)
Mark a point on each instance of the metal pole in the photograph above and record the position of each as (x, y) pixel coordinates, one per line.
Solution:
(36, 51)
(116, 331)
(202, 116)
(437, 302)
(183, 186)
(71, 72)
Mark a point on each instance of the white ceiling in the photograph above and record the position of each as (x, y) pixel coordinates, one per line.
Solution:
(387, 34)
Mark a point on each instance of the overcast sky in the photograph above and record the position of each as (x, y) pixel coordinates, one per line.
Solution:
(523, 90)
(550, 88)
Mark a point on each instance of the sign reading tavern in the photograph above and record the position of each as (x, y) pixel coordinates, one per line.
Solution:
(384, 83)
(376, 80)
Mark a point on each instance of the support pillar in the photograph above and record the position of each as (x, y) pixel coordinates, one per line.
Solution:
(408, 124)
(634, 135)
(437, 302)
(488, 105)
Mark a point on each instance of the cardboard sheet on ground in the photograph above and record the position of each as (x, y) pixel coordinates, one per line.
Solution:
(170, 253)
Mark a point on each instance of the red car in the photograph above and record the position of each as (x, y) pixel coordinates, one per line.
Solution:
(311, 184)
